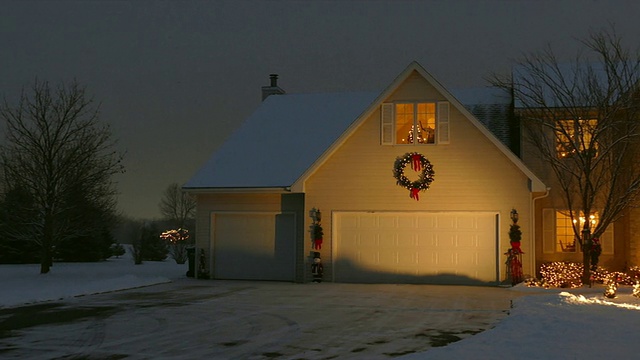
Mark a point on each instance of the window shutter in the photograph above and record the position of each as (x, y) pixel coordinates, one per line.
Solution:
(386, 124)
(443, 122)
(548, 231)
(606, 241)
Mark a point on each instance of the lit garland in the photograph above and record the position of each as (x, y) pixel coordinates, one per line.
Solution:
(636, 289)
(418, 163)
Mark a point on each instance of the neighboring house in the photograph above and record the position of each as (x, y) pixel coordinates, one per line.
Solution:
(555, 239)
(259, 193)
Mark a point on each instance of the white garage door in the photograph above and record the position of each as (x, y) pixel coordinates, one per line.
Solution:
(254, 246)
(448, 248)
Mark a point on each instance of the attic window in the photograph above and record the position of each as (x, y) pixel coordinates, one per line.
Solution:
(415, 123)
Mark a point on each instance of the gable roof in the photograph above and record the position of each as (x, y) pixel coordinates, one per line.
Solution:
(289, 136)
(280, 140)
(536, 185)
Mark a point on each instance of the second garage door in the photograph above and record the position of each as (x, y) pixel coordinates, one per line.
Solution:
(254, 246)
(387, 247)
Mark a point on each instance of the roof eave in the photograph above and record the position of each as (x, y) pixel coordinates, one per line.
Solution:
(238, 190)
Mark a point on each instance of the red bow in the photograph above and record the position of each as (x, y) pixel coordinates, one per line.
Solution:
(414, 193)
(416, 165)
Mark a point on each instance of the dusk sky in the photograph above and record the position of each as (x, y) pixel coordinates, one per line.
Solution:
(175, 78)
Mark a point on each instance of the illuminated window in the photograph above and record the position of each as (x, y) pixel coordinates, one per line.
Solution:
(415, 123)
(573, 136)
(565, 238)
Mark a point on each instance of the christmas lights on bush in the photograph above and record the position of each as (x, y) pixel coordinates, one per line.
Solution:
(569, 275)
(611, 287)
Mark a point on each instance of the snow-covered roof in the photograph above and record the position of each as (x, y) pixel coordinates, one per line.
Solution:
(281, 140)
(485, 95)
(290, 135)
(492, 106)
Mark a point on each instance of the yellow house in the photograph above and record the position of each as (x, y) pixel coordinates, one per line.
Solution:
(337, 160)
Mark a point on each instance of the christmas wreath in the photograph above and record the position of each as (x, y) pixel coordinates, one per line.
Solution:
(418, 163)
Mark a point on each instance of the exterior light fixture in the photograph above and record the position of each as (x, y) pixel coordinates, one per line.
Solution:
(514, 215)
(315, 214)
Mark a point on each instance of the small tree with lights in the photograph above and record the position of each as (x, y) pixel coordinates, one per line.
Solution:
(177, 241)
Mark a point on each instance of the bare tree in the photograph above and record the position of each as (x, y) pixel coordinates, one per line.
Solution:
(583, 118)
(59, 154)
(177, 206)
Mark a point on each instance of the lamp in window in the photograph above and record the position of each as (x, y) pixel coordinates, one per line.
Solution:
(514, 215)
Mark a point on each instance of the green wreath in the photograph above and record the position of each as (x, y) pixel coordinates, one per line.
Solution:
(418, 163)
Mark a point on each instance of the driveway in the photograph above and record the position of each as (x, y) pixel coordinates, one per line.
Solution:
(200, 319)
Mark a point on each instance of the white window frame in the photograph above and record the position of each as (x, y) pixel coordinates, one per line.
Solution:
(388, 122)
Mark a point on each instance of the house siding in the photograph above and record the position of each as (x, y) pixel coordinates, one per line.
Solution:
(359, 176)
(634, 236)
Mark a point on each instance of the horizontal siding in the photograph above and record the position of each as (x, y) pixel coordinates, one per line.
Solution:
(471, 174)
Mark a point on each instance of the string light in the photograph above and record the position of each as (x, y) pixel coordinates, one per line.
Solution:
(569, 275)
(636, 289)
(611, 288)
(175, 236)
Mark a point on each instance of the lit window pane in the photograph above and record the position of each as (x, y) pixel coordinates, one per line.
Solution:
(404, 123)
(566, 239)
(573, 136)
(426, 123)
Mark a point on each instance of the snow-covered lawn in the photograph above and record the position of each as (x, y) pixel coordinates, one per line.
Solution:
(556, 324)
(23, 284)
(544, 324)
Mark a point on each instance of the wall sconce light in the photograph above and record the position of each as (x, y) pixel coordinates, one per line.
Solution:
(514, 215)
(315, 214)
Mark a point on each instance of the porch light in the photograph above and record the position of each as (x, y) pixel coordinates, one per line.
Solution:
(514, 215)
(316, 215)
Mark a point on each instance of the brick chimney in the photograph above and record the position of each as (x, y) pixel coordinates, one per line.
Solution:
(272, 89)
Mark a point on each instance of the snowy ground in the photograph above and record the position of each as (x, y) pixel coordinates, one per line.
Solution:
(545, 324)
(556, 324)
(23, 284)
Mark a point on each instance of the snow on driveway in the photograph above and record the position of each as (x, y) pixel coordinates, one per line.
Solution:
(183, 318)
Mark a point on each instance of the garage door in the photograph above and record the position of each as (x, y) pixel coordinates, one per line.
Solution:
(254, 246)
(449, 248)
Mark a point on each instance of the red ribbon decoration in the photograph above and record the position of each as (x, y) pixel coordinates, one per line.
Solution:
(416, 165)
(414, 193)
(317, 244)
(515, 246)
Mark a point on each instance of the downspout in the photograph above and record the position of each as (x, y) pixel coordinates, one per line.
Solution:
(532, 256)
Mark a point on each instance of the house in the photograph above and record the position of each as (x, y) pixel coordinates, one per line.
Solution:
(407, 185)
(586, 109)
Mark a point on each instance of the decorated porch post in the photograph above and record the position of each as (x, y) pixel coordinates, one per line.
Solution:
(514, 255)
(317, 269)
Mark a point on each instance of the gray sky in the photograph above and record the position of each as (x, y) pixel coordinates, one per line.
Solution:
(175, 78)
